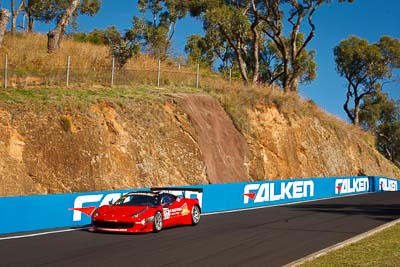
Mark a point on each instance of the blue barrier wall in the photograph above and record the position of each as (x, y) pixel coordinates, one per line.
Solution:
(67, 210)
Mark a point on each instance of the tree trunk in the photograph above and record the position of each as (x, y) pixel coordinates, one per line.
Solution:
(346, 105)
(285, 78)
(13, 24)
(4, 18)
(256, 52)
(256, 40)
(14, 13)
(55, 35)
(31, 22)
(242, 67)
(356, 121)
(294, 83)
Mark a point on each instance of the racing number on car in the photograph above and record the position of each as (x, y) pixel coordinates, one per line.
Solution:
(166, 213)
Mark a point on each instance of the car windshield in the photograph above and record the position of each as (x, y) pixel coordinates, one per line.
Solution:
(137, 200)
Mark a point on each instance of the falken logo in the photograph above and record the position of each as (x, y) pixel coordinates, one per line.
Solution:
(351, 185)
(273, 191)
(86, 204)
(388, 184)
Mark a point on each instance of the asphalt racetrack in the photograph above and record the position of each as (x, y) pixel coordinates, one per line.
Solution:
(271, 236)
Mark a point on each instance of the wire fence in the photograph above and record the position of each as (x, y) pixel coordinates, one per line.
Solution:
(106, 76)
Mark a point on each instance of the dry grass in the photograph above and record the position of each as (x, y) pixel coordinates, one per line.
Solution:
(28, 52)
(29, 64)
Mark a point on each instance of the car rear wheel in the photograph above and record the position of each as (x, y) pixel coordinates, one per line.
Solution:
(196, 213)
(158, 222)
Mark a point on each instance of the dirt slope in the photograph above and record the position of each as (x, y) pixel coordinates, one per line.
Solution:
(175, 140)
(225, 151)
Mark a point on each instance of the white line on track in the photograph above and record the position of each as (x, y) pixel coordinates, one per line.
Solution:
(41, 233)
(205, 214)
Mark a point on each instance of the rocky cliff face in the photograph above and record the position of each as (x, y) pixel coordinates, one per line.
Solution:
(310, 146)
(177, 140)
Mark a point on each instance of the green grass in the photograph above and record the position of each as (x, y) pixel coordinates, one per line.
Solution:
(379, 250)
(81, 98)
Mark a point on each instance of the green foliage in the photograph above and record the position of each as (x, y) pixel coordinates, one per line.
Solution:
(376, 110)
(95, 37)
(303, 67)
(121, 47)
(250, 34)
(198, 51)
(99, 36)
(381, 116)
(365, 66)
(50, 10)
(154, 36)
(122, 50)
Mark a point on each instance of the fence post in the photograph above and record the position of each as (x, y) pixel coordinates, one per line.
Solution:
(5, 71)
(112, 71)
(230, 76)
(197, 76)
(159, 73)
(68, 65)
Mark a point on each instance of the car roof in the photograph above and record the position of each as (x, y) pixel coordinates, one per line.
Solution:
(147, 193)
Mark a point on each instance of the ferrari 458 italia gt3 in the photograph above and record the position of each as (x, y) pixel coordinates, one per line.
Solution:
(147, 211)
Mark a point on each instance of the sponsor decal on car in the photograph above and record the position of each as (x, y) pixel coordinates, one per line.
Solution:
(269, 192)
(185, 210)
(166, 213)
(387, 184)
(351, 185)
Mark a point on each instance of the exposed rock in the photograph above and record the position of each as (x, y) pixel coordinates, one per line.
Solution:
(310, 147)
(175, 140)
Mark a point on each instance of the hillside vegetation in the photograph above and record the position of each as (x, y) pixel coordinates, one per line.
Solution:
(89, 137)
(29, 64)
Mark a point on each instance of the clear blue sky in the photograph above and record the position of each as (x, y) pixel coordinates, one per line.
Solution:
(369, 19)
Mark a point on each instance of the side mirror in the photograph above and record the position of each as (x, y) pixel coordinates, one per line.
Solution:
(110, 202)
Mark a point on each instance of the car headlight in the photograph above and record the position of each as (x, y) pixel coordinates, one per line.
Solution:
(95, 213)
(136, 215)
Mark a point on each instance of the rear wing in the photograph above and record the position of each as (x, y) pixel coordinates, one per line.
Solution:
(174, 189)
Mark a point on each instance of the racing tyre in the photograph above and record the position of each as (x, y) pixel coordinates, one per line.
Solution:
(196, 213)
(158, 222)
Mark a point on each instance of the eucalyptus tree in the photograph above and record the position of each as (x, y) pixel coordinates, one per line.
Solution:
(32, 9)
(4, 18)
(14, 13)
(381, 116)
(198, 50)
(295, 64)
(60, 11)
(365, 67)
(265, 50)
(154, 34)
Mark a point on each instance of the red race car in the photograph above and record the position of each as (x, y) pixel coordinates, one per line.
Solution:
(147, 211)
